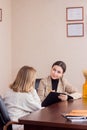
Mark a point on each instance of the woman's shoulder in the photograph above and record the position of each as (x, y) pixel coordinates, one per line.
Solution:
(32, 92)
(46, 79)
(9, 92)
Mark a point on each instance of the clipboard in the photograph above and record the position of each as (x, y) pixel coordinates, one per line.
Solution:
(52, 98)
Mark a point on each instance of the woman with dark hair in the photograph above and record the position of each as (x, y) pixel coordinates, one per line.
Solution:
(56, 82)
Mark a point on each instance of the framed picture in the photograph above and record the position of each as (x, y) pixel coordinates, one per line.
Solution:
(74, 14)
(75, 29)
(0, 15)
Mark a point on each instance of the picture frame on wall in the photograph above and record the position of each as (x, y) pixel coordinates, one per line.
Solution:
(0, 14)
(75, 29)
(74, 14)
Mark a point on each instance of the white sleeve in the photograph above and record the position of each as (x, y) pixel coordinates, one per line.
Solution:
(32, 101)
(36, 97)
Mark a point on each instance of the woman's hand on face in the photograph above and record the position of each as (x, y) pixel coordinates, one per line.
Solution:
(63, 97)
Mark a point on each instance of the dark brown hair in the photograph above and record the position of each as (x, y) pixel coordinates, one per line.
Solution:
(61, 64)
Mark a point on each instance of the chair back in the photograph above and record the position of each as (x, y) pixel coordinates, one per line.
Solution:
(37, 83)
(4, 116)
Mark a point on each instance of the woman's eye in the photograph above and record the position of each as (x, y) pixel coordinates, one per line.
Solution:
(56, 71)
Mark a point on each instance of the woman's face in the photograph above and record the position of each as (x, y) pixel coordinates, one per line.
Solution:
(56, 72)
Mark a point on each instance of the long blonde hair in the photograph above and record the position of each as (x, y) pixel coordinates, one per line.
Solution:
(25, 79)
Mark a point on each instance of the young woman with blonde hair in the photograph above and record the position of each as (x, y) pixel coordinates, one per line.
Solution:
(22, 97)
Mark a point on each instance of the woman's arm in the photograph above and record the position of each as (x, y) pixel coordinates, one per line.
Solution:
(72, 91)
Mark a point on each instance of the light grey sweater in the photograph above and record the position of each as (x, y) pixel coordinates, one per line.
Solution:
(19, 104)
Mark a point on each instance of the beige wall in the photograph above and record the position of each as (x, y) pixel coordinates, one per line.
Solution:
(39, 38)
(5, 45)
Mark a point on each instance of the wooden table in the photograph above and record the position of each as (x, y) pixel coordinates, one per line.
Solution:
(50, 118)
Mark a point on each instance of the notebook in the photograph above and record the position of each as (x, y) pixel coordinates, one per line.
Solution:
(52, 98)
(76, 115)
